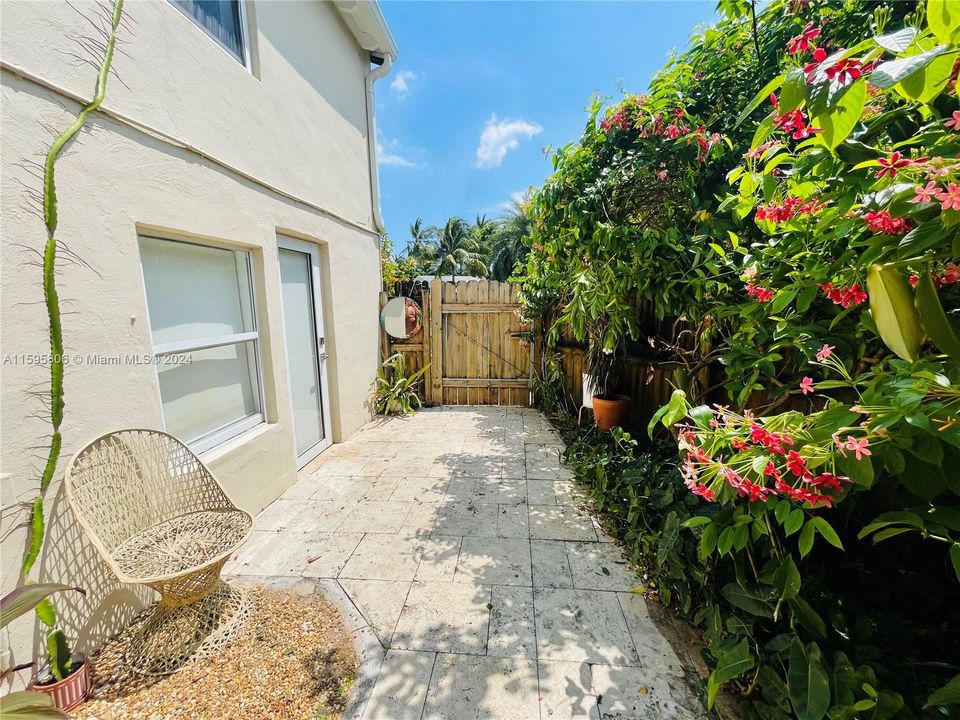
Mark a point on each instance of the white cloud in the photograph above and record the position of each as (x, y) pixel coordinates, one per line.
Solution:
(515, 197)
(499, 137)
(391, 154)
(401, 82)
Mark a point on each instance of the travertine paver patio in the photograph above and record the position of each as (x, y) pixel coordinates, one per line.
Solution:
(459, 536)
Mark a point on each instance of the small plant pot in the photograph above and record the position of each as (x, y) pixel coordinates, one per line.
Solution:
(69, 692)
(610, 412)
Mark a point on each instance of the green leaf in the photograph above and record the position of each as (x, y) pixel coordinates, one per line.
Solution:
(805, 543)
(925, 85)
(808, 617)
(25, 598)
(696, 521)
(764, 93)
(955, 559)
(898, 517)
(808, 682)
(731, 663)
(753, 600)
(787, 579)
(844, 680)
(783, 298)
(793, 522)
(859, 471)
(943, 18)
(934, 320)
(949, 694)
(922, 237)
(28, 705)
(892, 72)
(827, 532)
(838, 121)
(891, 304)
(794, 90)
(897, 42)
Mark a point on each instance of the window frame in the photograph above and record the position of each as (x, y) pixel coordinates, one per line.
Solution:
(244, 33)
(222, 434)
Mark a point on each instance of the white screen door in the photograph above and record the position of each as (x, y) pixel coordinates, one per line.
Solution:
(306, 356)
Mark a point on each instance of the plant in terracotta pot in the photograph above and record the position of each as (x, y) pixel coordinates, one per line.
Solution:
(606, 367)
(64, 682)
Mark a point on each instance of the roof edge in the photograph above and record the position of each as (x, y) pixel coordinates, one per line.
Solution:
(365, 20)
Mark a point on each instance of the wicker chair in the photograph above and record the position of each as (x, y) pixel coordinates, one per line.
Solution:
(159, 517)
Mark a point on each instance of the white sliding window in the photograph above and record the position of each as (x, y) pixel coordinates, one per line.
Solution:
(204, 328)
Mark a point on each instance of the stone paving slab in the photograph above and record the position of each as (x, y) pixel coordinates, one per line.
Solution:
(459, 540)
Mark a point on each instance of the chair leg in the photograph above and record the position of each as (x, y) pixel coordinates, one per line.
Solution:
(169, 637)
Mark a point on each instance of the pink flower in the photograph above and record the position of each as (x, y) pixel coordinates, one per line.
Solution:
(806, 385)
(890, 166)
(838, 443)
(927, 193)
(796, 464)
(825, 352)
(703, 491)
(950, 198)
(955, 122)
(802, 41)
(846, 69)
(857, 447)
(750, 272)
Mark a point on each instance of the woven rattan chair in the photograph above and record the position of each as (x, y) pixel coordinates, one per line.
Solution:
(159, 518)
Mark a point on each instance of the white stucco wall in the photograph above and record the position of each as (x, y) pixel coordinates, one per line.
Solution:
(296, 122)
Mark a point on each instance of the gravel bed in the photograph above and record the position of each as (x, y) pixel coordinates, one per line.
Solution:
(294, 659)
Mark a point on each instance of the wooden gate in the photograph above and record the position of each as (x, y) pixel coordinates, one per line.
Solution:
(474, 343)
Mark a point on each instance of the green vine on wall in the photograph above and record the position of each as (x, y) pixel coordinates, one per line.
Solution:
(59, 650)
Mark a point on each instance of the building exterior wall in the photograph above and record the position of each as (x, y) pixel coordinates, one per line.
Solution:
(245, 155)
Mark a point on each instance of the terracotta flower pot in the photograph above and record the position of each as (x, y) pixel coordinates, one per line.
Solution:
(610, 412)
(69, 692)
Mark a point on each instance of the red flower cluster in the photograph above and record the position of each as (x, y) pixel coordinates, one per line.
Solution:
(811, 487)
(890, 166)
(847, 297)
(802, 41)
(760, 149)
(846, 69)
(949, 275)
(794, 123)
(881, 222)
(760, 293)
(788, 209)
(772, 441)
(620, 119)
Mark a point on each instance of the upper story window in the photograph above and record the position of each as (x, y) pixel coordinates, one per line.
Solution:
(223, 20)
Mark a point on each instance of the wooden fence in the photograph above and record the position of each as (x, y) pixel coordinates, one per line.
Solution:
(473, 342)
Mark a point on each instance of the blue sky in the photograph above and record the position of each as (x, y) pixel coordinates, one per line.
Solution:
(480, 88)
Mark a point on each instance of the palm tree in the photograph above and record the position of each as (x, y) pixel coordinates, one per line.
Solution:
(421, 236)
(508, 247)
(454, 250)
(483, 231)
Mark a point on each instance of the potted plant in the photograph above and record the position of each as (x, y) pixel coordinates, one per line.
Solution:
(66, 676)
(605, 366)
(395, 392)
(61, 685)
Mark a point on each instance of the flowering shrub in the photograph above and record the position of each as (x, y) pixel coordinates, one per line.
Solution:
(814, 246)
